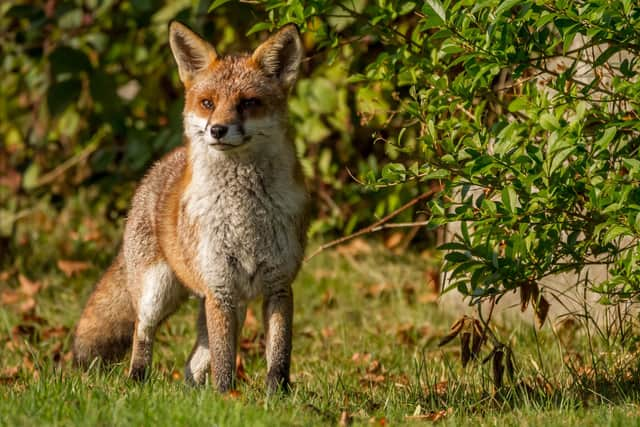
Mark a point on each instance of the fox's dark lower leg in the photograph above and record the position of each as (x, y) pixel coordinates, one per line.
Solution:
(222, 328)
(278, 319)
(142, 351)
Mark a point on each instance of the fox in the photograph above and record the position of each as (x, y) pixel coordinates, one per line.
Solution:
(223, 217)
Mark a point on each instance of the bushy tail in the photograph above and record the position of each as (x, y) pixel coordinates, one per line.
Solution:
(105, 329)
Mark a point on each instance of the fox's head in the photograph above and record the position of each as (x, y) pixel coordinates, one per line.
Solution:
(235, 101)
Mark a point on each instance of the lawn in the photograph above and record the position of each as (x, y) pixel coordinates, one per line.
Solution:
(367, 329)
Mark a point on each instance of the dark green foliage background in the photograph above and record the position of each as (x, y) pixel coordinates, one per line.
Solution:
(540, 164)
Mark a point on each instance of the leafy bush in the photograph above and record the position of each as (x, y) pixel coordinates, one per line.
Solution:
(527, 113)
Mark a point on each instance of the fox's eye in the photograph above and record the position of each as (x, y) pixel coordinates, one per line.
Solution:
(206, 103)
(247, 104)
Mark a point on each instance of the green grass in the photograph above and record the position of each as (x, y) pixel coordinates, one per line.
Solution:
(363, 344)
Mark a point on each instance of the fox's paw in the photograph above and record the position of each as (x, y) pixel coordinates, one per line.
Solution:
(277, 383)
(137, 373)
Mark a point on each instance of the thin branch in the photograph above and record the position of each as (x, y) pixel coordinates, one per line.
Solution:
(379, 225)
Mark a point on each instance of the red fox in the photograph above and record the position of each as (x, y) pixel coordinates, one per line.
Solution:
(224, 217)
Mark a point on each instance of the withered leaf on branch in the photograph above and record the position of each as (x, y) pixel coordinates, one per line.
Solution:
(453, 332)
(465, 350)
(498, 367)
(479, 337)
(509, 364)
(527, 290)
(541, 310)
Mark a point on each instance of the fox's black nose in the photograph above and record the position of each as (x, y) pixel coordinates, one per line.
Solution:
(218, 131)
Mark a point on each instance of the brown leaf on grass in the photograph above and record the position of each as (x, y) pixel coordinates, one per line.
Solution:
(432, 278)
(393, 239)
(372, 378)
(232, 395)
(345, 419)
(323, 273)
(378, 421)
(357, 246)
(430, 416)
(328, 299)
(28, 306)
(428, 298)
(54, 332)
(6, 275)
(28, 364)
(406, 333)
(56, 352)
(374, 373)
(250, 321)
(377, 290)
(327, 332)
(9, 375)
(24, 331)
(253, 344)
(69, 268)
(361, 358)
(10, 297)
(374, 367)
(33, 318)
(241, 374)
(28, 287)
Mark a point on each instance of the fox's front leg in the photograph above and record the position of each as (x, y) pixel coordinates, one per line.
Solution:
(200, 359)
(278, 320)
(222, 327)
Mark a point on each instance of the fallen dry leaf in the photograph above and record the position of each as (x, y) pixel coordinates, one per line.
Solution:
(327, 332)
(374, 367)
(430, 416)
(28, 306)
(428, 298)
(377, 290)
(328, 299)
(28, 287)
(232, 395)
(69, 268)
(432, 278)
(54, 332)
(250, 321)
(9, 374)
(379, 421)
(9, 297)
(345, 419)
(240, 372)
(5, 275)
(393, 240)
(357, 246)
(361, 358)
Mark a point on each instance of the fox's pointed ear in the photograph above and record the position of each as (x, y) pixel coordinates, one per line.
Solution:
(280, 55)
(192, 53)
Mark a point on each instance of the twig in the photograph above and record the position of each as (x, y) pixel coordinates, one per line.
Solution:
(51, 176)
(378, 225)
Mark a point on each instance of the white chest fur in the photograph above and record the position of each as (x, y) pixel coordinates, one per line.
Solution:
(247, 216)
